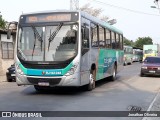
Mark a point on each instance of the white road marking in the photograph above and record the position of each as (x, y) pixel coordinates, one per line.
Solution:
(151, 105)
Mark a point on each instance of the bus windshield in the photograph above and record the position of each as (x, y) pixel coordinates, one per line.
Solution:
(128, 50)
(47, 43)
(149, 51)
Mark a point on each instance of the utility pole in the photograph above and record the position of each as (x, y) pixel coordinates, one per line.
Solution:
(74, 4)
(156, 2)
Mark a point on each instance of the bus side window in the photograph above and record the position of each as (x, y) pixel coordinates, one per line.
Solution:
(108, 38)
(113, 40)
(94, 35)
(101, 37)
(117, 41)
(121, 42)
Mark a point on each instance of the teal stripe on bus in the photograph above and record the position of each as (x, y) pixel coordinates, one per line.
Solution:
(45, 72)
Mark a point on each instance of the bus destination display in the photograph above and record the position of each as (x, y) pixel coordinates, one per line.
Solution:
(48, 18)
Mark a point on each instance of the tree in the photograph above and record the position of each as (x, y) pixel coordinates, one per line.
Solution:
(143, 41)
(97, 13)
(90, 10)
(2, 23)
(128, 42)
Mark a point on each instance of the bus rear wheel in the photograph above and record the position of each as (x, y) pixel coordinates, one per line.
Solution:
(92, 80)
(114, 73)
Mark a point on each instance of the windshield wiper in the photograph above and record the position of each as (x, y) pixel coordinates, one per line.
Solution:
(54, 33)
(36, 35)
(22, 55)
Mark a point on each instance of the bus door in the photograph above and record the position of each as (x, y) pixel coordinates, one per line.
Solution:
(85, 66)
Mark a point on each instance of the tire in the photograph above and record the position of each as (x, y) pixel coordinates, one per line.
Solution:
(92, 81)
(131, 60)
(114, 73)
(9, 80)
(141, 74)
(8, 77)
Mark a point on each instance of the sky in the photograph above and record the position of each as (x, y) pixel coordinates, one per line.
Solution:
(135, 18)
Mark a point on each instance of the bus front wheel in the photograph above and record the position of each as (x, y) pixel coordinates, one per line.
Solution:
(92, 80)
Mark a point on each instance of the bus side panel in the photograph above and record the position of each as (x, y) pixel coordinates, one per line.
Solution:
(92, 59)
(106, 62)
(120, 56)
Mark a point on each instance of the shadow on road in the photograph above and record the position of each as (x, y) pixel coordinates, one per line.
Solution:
(66, 90)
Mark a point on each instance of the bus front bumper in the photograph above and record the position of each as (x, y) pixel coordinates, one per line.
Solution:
(72, 80)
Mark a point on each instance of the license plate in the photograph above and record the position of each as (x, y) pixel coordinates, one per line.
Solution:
(43, 84)
(13, 75)
(152, 71)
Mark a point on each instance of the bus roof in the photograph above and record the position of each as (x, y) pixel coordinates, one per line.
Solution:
(128, 46)
(137, 48)
(98, 21)
(85, 15)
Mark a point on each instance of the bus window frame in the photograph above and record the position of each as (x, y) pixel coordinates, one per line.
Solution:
(101, 46)
(91, 28)
(107, 31)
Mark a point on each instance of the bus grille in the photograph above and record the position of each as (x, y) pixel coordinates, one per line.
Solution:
(50, 66)
(52, 81)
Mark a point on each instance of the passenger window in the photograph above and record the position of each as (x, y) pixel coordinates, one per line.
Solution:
(117, 41)
(121, 42)
(108, 38)
(94, 35)
(101, 37)
(113, 40)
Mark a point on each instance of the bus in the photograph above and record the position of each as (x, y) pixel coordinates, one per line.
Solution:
(128, 55)
(150, 50)
(66, 48)
(137, 54)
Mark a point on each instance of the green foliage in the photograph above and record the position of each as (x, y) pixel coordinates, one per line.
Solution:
(2, 23)
(128, 42)
(143, 41)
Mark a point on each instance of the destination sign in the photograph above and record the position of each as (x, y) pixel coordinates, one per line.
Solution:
(48, 18)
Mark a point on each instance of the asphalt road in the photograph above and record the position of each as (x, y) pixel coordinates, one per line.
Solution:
(128, 90)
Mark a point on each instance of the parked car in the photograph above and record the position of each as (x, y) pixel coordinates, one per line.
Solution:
(10, 74)
(150, 66)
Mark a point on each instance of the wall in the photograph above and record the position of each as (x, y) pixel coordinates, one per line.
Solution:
(5, 63)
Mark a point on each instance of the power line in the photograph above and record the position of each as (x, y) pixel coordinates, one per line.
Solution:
(126, 9)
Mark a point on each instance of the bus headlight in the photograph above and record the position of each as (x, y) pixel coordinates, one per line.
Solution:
(72, 70)
(19, 70)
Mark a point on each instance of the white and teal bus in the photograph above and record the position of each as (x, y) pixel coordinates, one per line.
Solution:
(137, 54)
(128, 55)
(66, 48)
